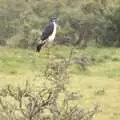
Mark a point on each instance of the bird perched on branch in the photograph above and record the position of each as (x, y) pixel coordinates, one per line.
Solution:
(48, 34)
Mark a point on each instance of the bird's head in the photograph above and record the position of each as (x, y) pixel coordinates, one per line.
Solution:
(53, 19)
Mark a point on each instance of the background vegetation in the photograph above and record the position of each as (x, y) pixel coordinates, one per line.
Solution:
(79, 22)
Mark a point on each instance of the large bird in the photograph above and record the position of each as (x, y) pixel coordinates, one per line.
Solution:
(48, 34)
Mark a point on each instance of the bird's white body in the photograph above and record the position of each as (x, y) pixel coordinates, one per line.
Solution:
(52, 36)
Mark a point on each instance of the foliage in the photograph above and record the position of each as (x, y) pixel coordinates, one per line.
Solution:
(79, 22)
(107, 25)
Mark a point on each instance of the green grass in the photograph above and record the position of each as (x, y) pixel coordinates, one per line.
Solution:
(100, 83)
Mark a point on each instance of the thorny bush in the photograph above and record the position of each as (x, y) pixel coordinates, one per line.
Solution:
(44, 103)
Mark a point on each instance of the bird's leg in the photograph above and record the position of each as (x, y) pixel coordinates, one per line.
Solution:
(48, 51)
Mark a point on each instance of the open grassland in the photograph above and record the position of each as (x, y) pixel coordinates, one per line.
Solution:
(99, 83)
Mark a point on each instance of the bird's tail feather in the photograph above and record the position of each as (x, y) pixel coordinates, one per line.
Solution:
(39, 46)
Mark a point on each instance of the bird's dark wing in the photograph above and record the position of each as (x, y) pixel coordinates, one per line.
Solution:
(47, 31)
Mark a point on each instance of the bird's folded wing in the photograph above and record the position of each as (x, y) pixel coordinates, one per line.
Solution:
(47, 31)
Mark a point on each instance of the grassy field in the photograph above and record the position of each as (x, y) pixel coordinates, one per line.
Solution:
(99, 83)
